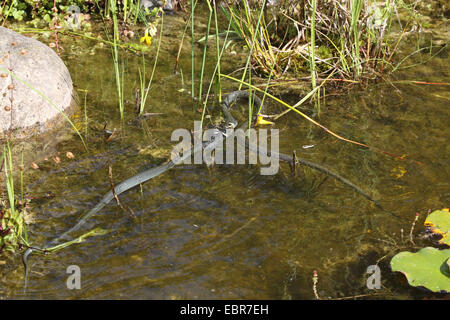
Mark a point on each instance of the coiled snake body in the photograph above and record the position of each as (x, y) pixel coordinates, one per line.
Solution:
(154, 172)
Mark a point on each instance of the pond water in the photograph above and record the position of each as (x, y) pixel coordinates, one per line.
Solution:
(229, 232)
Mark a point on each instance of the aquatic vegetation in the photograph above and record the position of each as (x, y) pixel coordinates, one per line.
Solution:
(429, 267)
(349, 37)
(154, 172)
(312, 57)
(438, 222)
(149, 33)
(13, 230)
(115, 54)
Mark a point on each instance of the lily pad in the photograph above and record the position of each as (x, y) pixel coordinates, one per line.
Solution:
(429, 268)
(439, 223)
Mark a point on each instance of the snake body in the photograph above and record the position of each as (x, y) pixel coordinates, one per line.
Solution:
(154, 172)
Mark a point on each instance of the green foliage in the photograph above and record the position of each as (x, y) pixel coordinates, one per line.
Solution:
(12, 219)
(438, 222)
(429, 268)
(354, 33)
(27, 9)
(14, 9)
(19, 10)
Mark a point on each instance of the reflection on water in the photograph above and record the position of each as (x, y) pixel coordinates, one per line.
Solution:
(229, 232)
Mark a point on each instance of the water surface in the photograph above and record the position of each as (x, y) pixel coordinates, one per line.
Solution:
(229, 232)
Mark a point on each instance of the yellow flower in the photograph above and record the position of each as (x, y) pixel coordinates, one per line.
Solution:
(260, 120)
(147, 38)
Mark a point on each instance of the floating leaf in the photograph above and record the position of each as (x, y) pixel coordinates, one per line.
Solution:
(427, 268)
(439, 223)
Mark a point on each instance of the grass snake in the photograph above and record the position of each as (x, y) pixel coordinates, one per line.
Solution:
(217, 139)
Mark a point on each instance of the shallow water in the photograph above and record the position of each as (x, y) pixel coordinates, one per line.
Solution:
(229, 232)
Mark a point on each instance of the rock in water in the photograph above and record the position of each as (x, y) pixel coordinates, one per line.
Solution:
(169, 5)
(35, 86)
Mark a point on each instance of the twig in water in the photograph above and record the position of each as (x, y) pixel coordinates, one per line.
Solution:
(315, 280)
(360, 296)
(412, 228)
(294, 163)
(234, 232)
(137, 103)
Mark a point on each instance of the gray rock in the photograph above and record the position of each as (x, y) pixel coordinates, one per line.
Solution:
(150, 4)
(35, 86)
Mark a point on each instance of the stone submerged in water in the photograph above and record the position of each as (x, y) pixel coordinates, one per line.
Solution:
(35, 86)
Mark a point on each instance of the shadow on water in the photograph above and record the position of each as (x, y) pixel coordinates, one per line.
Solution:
(229, 232)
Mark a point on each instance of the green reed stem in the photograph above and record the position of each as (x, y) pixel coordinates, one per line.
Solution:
(356, 11)
(205, 48)
(215, 74)
(115, 54)
(255, 32)
(219, 89)
(313, 45)
(145, 95)
(193, 4)
(125, 10)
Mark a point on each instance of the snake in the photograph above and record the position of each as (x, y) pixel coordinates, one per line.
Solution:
(216, 140)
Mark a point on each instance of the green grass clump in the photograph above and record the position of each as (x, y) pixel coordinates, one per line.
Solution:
(13, 231)
(353, 33)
